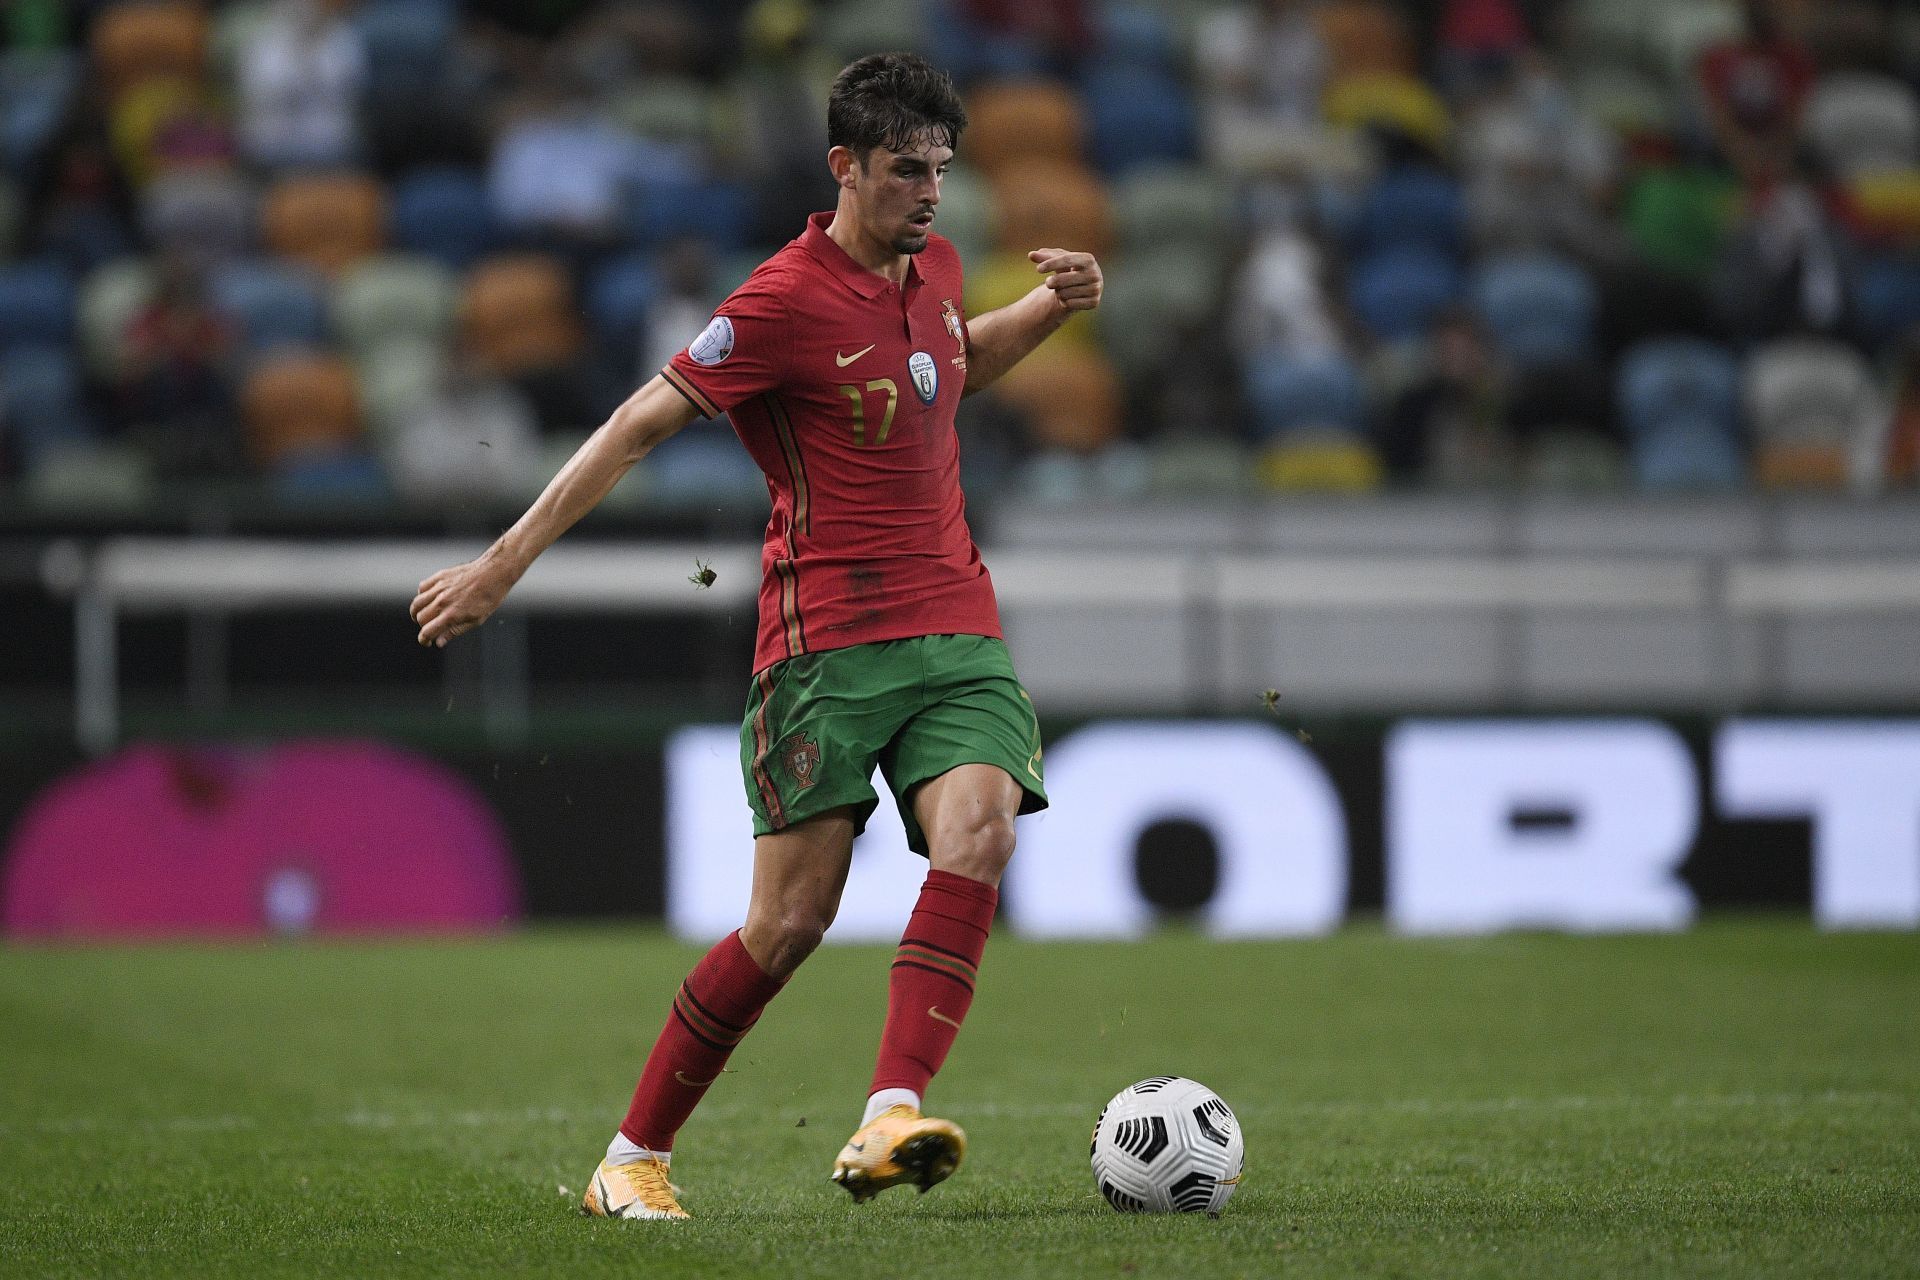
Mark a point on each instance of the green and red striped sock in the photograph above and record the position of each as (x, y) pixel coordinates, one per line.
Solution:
(712, 1012)
(933, 976)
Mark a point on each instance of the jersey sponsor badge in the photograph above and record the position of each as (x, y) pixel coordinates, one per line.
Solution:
(714, 344)
(925, 375)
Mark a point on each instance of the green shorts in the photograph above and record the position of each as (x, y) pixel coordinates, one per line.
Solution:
(816, 725)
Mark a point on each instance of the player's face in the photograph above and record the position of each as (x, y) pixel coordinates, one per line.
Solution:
(897, 192)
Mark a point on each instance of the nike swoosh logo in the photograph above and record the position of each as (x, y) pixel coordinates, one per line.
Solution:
(933, 1011)
(844, 361)
(681, 1076)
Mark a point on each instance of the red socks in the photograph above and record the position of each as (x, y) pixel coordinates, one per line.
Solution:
(932, 983)
(715, 1008)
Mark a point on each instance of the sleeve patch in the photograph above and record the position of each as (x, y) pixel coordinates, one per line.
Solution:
(714, 344)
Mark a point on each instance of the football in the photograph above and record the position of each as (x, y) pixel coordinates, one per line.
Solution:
(1167, 1145)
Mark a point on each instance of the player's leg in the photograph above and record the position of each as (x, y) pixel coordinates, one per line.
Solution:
(798, 875)
(956, 768)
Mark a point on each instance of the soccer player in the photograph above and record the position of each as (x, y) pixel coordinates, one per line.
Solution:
(840, 362)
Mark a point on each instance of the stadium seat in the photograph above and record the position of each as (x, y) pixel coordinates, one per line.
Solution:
(1887, 297)
(393, 298)
(406, 41)
(1203, 467)
(1319, 461)
(204, 215)
(1141, 36)
(344, 475)
(1157, 205)
(36, 304)
(1804, 395)
(1046, 204)
(299, 403)
(1412, 207)
(1397, 293)
(1069, 397)
(272, 304)
(73, 475)
(36, 86)
(1864, 123)
(1150, 301)
(967, 215)
(1888, 204)
(1009, 123)
(42, 398)
(1136, 118)
(398, 380)
(110, 297)
(1573, 462)
(1685, 456)
(443, 212)
(1308, 391)
(1365, 38)
(147, 40)
(327, 223)
(1614, 30)
(518, 316)
(1625, 100)
(702, 466)
(721, 213)
(854, 28)
(1662, 379)
(1397, 104)
(1540, 308)
(618, 297)
(671, 109)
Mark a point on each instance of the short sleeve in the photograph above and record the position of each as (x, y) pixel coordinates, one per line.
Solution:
(744, 351)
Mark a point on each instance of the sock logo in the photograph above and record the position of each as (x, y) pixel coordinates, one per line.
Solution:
(933, 1011)
(681, 1076)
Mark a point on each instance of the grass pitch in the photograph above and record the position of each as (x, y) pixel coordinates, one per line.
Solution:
(1740, 1101)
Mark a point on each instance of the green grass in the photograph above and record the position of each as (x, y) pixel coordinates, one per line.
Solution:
(1740, 1101)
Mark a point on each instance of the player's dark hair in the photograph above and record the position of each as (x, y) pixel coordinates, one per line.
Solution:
(893, 100)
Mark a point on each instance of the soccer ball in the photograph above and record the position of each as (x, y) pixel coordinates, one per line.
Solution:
(1167, 1145)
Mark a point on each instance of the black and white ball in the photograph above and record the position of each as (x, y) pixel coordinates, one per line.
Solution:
(1167, 1145)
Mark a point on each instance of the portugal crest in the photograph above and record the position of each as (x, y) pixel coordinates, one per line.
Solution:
(800, 756)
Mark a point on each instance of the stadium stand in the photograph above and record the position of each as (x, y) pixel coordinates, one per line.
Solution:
(1292, 200)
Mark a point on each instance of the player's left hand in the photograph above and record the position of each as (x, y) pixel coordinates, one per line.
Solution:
(1073, 277)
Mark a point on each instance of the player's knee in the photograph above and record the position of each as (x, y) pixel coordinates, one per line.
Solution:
(979, 851)
(781, 941)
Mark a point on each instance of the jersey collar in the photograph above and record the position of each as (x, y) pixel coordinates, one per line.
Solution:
(837, 261)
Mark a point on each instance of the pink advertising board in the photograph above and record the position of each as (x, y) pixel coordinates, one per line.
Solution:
(290, 837)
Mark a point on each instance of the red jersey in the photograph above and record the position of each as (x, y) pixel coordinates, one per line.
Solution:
(843, 388)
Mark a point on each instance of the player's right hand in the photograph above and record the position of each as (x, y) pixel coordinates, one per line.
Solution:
(454, 601)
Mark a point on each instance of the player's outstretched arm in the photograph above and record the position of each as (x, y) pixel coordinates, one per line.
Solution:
(999, 340)
(457, 600)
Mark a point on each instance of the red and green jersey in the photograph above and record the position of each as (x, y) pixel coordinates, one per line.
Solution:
(843, 388)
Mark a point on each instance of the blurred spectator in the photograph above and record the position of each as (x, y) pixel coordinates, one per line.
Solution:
(1053, 33)
(1262, 71)
(1282, 300)
(170, 126)
(475, 438)
(1753, 90)
(82, 213)
(300, 76)
(781, 98)
(1448, 425)
(687, 299)
(1477, 41)
(1787, 269)
(561, 170)
(172, 391)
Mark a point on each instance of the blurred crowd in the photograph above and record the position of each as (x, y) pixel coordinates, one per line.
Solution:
(368, 250)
